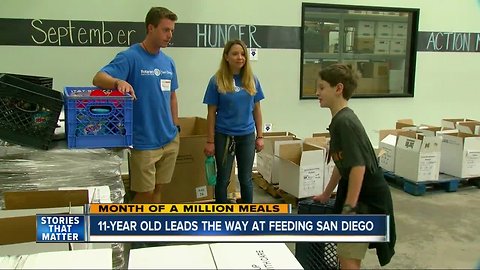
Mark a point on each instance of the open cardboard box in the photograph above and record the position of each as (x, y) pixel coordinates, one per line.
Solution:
(188, 181)
(469, 127)
(461, 155)
(451, 123)
(417, 157)
(302, 169)
(18, 220)
(267, 162)
(387, 143)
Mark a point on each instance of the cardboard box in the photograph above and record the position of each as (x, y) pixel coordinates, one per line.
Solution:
(365, 29)
(321, 134)
(267, 162)
(417, 157)
(380, 69)
(188, 182)
(436, 131)
(173, 257)
(364, 44)
(253, 256)
(382, 46)
(365, 85)
(45, 199)
(399, 30)
(18, 221)
(380, 85)
(309, 87)
(372, 85)
(383, 29)
(460, 155)
(301, 168)
(452, 122)
(398, 46)
(323, 140)
(77, 259)
(469, 127)
(387, 160)
(405, 124)
(311, 70)
(19, 233)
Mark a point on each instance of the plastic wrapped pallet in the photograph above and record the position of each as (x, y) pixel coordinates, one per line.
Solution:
(23, 169)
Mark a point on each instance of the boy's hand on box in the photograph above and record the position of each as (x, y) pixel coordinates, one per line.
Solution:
(323, 198)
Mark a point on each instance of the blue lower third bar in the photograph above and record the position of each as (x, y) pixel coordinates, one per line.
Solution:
(61, 228)
(239, 228)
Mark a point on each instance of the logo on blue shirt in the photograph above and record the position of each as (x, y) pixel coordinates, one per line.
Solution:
(156, 72)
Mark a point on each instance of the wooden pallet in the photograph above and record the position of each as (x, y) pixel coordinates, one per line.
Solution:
(289, 198)
(263, 184)
(445, 182)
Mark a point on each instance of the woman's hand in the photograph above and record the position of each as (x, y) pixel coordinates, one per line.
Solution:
(209, 149)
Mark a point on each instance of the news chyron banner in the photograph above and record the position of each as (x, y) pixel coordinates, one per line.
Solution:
(208, 223)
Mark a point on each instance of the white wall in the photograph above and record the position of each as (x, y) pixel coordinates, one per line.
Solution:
(446, 83)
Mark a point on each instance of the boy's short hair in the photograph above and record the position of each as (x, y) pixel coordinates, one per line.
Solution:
(155, 14)
(341, 73)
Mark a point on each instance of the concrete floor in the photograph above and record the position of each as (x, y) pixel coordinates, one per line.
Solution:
(437, 230)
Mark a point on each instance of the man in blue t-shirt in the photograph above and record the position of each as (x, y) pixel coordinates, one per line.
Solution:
(150, 76)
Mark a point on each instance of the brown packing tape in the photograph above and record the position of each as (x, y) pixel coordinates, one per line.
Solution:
(45, 199)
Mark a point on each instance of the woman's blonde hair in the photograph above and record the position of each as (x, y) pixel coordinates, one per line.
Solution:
(224, 75)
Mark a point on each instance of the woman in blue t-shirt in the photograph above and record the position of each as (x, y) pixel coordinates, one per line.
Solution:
(233, 97)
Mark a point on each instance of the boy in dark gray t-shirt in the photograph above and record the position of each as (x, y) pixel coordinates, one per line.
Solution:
(361, 185)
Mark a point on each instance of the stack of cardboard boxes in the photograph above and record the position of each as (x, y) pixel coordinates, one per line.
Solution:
(299, 167)
(18, 227)
(421, 153)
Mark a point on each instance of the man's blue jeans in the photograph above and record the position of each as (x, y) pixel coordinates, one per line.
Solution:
(226, 148)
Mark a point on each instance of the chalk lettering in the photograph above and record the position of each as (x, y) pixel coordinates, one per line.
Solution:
(217, 35)
(40, 30)
(71, 35)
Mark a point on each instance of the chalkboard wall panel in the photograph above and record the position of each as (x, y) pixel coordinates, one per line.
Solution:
(40, 32)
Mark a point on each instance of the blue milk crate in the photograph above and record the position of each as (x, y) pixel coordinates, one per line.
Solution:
(97, 121)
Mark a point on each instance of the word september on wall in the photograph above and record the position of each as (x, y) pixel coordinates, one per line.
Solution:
(83, 33)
